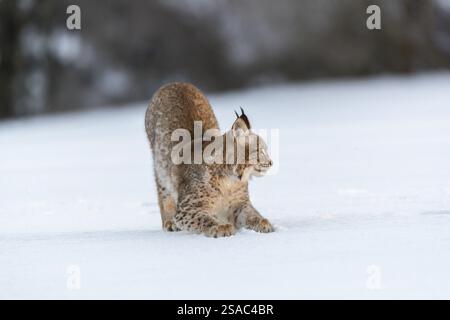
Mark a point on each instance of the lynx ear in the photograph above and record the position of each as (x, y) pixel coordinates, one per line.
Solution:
(241, 125)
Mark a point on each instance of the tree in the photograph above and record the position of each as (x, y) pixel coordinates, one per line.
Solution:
(10, 28)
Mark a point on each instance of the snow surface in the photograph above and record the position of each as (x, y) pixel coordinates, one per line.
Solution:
(360, 202)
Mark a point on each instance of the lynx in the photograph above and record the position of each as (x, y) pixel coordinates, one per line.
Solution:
(210, 199)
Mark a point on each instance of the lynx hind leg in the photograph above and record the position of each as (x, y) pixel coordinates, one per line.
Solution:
(167, 207)
(198, 221)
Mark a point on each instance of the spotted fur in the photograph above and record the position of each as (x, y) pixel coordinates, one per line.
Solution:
(211, 199)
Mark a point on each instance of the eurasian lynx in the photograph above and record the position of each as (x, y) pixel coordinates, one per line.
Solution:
(211, 199)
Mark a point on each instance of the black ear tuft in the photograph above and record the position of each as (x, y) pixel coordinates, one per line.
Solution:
(243, 116)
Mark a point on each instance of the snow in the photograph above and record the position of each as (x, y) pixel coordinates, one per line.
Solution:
(360, 201)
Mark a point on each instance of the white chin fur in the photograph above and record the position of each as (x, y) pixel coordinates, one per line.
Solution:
(258, 173)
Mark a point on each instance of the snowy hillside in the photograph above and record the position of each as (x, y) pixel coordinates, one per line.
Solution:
(360, 201)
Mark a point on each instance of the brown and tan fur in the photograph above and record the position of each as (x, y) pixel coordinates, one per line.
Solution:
(211, 199)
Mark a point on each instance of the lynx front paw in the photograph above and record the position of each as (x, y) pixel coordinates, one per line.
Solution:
(221, 230)
(263, 226)
(170, 226)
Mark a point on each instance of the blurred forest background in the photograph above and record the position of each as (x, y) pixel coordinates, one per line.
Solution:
(126, 49)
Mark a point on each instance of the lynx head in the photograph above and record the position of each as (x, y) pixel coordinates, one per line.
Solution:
(251, 156)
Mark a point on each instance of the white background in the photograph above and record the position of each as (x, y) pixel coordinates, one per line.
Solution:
(363, 180)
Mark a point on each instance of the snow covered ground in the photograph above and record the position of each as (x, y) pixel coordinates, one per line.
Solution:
(361, 201)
